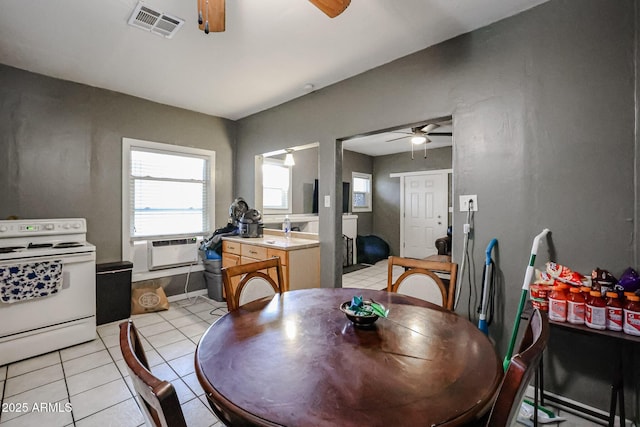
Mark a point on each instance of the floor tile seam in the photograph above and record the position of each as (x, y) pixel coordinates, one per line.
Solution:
(115, 363)
(120, 377)
(66, 387)
(87, 354)
(33, 370)
(163, 359)
(195, 392)
(144, 334)
(104, 409)
(92, 367)
(5, 396)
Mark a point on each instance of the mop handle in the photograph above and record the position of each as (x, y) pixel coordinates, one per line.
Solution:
(534, 251)
(525, 288)
(492, 243)
(482, 320)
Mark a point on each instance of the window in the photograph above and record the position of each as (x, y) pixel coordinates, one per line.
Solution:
(276, 185)
(361, 191)
(167, 190)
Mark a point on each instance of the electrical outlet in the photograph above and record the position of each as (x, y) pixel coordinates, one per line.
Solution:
(464, 203)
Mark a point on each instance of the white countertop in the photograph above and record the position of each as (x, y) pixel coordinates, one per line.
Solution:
(277, 241)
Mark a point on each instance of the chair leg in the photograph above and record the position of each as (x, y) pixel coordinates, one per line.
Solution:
(536, 389)
(617, 392)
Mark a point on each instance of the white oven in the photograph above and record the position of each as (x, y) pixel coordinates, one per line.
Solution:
(35, 319)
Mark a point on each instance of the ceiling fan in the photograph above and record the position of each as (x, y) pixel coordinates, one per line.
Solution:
(211, 13)
(420, 135)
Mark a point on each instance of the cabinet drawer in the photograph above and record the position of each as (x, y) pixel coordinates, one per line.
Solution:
(257, 252)
(229, 260)
(247, 260)
(278, 253)
(231, 247)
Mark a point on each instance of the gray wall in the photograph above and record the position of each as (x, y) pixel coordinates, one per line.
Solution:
(305, 172)
(386, 190)
(357, 162)
(543, 111)
(61, 151)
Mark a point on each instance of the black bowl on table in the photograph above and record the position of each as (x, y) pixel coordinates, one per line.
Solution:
(359, 320)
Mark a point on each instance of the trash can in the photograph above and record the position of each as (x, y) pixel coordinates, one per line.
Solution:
(213, 278)
(113, 291)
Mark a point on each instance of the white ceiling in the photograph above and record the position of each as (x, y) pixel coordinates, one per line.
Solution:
(271, 48)
(382, 144)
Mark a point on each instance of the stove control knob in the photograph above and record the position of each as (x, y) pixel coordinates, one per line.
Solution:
(3, 228)
(67, 226)
(76, 225)
(49, 227)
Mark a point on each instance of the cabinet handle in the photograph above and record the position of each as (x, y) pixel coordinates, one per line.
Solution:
(253, 252)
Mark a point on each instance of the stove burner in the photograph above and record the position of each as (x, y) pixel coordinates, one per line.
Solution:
(39, 245)
(68, 245)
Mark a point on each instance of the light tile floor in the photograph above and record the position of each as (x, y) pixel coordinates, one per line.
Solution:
(92, 381)
(88, 384)
(373, 277)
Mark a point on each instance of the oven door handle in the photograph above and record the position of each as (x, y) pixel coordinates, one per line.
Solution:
(65, 258)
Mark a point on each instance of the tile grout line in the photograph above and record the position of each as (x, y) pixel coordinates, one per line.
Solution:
(66, 387)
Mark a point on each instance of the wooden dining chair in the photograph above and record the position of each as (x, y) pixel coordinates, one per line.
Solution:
(244, 283)
(421, 281)
(159, 401)
(520, 371)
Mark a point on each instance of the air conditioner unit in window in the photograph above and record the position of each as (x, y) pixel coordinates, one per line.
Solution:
(171, 253)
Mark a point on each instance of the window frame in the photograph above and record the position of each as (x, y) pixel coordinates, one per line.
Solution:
(368, 195)
(289, 208)
(129, 144)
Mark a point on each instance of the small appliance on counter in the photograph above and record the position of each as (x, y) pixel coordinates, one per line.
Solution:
(250, 224)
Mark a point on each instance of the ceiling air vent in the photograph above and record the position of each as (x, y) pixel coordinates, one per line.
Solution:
(155, 21)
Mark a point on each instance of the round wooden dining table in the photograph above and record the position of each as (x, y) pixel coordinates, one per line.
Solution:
(296, 360)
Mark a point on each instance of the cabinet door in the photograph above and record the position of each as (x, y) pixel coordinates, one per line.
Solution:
(229, 260)
(284, 261)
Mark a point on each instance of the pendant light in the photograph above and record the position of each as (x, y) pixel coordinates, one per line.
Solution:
(288, 159)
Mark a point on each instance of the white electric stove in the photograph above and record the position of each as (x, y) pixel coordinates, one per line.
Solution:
(36, 321)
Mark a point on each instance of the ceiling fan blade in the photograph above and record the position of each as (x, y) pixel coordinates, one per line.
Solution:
(331, 8)
(211, 15)
(440, 134)
(395, 139)
(428, 128)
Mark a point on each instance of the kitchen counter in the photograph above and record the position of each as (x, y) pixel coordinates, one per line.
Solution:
(299, 255)
(275, 239)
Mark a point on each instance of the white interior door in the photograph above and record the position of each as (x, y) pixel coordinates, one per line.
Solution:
(424, 213)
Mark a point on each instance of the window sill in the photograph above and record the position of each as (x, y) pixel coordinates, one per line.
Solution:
(165, 272)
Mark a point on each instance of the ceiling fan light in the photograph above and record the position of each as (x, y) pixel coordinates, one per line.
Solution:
(288, 159)
(418, 139)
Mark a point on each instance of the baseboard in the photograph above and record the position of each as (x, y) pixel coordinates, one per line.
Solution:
(577, 408)
(192, 294)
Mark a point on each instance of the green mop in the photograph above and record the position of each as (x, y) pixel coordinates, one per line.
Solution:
(544, 415)
(523, 297)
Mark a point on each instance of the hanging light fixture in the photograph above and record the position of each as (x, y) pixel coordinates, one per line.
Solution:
(418, 139)
(288, 159)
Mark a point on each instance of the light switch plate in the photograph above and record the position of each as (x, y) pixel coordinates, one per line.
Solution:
(327, 201)
(464, 203)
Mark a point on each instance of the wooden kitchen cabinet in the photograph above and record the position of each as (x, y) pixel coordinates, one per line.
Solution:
(300, 257)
